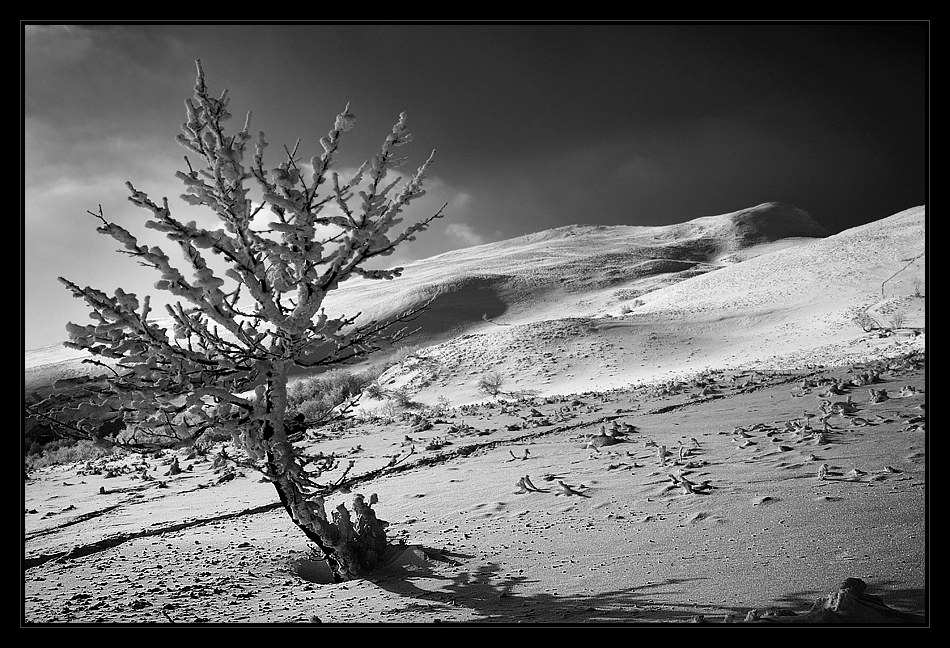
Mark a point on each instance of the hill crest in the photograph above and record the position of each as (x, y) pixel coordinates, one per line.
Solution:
(579, 274)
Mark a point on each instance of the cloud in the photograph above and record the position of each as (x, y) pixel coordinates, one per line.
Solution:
(465, 233)
(460, 201)
(57, 44)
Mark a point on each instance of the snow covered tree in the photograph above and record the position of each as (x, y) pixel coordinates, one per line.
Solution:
(237, 334)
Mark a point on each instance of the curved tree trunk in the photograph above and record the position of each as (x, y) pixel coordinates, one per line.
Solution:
(351, 547)
(353, 544)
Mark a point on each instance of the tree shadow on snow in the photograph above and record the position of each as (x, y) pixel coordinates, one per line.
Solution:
(497, 597)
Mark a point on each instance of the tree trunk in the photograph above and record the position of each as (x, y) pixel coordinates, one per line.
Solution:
(352, 548)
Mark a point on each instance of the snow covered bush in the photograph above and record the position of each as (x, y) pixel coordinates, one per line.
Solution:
(236, 334)
(897, 320)
(490, 383)
(862, 318)
(318, 397)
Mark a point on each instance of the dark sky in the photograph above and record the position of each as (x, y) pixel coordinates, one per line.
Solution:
(536, 126)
